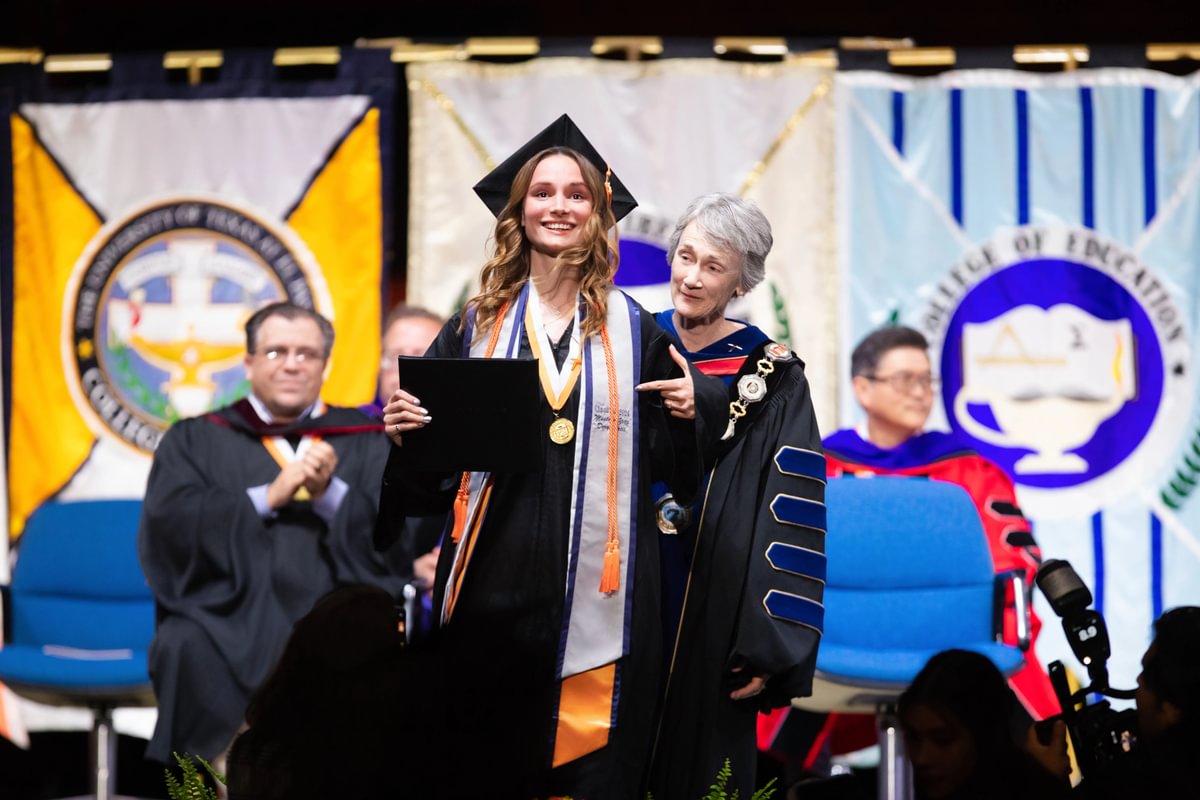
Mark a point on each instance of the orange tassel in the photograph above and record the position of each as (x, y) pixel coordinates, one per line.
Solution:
(464, 486)
(610, 577)
(460, 508)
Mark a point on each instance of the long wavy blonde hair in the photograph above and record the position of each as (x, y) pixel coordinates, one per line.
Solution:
(595, 259)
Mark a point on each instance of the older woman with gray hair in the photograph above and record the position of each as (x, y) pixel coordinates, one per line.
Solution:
(743, 571)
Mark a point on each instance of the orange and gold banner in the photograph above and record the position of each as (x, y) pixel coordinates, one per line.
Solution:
(146, 230)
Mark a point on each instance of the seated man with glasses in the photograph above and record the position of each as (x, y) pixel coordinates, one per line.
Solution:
(894, 384)
(252, 512)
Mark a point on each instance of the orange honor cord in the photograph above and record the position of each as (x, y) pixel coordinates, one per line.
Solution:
(455, 583)
(584, 713)
(463, 496)
(610, 577)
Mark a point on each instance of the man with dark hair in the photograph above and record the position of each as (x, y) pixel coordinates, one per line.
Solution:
(894, 384)
(871, 350)
(252, 512)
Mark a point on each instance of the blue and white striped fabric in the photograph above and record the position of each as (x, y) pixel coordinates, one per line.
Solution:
(1075, 200)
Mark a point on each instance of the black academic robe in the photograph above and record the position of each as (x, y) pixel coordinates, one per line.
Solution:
(725, 622)
(229, 585)
(491, 690)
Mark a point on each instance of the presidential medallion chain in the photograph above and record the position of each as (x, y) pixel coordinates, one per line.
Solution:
(752, 388)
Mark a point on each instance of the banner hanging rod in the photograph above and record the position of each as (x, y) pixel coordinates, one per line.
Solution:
(900, 52)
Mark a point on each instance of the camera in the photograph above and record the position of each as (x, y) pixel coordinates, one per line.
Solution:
(1100, 734)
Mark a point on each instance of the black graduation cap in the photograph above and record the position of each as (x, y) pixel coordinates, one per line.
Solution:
(495, 187)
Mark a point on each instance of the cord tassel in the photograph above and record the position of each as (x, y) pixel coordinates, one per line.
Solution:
(463, 498)
(460, 508)
(610, 574)
(610, 577)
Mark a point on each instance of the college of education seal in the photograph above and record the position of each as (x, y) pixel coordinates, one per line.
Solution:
(1064, 359)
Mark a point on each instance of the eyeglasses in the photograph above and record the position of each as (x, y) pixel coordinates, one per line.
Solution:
(905, 382)
(301, 355)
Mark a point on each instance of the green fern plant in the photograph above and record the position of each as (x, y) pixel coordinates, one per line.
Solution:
(190, 785)
(720, 791)
(765, 793)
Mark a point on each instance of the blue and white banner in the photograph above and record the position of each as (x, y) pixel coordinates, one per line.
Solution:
(1044, 233)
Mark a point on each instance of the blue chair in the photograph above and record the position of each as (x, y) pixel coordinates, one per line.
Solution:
(909, 575)
(82, 617)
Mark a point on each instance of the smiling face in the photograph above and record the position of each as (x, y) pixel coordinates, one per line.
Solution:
(704, 277)
(287, 367)
(556, 206)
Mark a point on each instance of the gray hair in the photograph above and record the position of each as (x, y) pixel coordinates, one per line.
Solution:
(733, 224)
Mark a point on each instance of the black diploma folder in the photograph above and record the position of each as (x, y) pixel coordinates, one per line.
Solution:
(485, 414)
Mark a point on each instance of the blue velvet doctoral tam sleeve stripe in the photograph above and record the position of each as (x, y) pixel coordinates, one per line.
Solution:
(797, 560)
(801, 463)
(791, 510)
(794, 608)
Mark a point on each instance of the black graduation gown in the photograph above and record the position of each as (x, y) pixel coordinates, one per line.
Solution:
(724, 621)
(491, 689)
(229, 585)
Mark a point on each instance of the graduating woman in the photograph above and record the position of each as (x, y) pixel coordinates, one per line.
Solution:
(744, 570)
(546, 661)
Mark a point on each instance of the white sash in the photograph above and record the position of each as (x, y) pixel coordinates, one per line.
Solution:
(595, 623)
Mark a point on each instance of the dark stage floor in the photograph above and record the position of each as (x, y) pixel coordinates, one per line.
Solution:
(57, 765)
